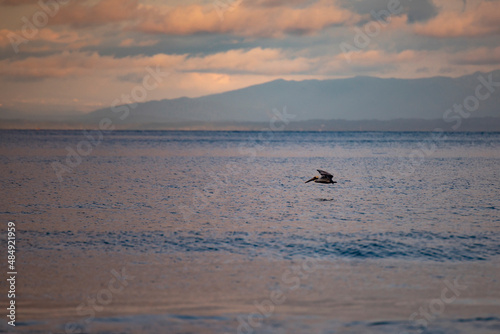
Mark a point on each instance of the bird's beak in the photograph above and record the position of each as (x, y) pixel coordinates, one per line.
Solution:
(314, 178)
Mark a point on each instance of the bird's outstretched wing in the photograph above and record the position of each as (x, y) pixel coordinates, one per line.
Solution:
(323, 173)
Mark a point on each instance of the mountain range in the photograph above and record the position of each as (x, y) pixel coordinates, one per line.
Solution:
(352, 101)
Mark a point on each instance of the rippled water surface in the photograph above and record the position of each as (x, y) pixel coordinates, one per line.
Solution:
(179, 204)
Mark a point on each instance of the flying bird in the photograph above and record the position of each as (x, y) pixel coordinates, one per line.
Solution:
(324, 178)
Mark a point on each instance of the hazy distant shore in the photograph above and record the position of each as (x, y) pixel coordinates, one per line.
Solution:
(479, 124)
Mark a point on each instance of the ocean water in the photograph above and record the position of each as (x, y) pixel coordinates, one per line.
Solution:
(210, 226)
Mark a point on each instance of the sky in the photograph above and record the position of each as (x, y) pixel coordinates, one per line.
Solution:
(76, 56)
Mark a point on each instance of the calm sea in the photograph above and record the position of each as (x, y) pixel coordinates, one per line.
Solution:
(209, 223)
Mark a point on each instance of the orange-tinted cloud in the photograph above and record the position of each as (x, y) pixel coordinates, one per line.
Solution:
(274, 3)
(255, 61)
(484, 19)
(65, 39)
(262, 18)
(267, 20)
(132, 42)
(81, 63)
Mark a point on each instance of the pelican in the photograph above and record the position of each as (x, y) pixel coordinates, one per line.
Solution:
(325, 177)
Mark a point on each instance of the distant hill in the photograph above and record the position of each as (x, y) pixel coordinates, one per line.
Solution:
(360, 103)
(359, 98)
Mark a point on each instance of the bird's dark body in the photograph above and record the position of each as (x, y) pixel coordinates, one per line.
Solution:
(325, 178)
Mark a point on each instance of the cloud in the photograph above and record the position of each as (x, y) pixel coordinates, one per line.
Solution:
(70, 64)
(129, 42)
(480, 20)
(261, 19)
(370, 61)
(17, 2)
(255, 61)
(277, 3)
(48, 40)
(479, 56)
(103, 12)
(420, 10)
